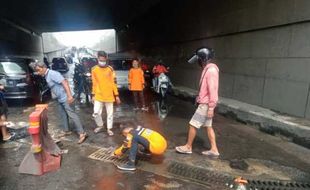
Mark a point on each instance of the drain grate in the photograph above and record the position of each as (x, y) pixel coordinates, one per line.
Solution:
(224, 181)
(104, 154)
(200, 175)
(277, 185)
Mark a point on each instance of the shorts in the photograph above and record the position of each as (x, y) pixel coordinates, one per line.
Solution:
(3, 112)
(200, 118)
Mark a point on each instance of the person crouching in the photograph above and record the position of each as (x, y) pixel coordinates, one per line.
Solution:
(151, 142)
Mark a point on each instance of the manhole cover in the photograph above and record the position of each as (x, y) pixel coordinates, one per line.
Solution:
(277, 185)
(105, 154)
(200, 175)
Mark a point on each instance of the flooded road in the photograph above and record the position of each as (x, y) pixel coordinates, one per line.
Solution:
(245, 151)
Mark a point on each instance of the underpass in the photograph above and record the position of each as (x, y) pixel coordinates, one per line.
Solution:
(262, 52)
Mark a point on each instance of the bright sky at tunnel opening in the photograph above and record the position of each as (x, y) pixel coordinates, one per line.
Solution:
(86, 38)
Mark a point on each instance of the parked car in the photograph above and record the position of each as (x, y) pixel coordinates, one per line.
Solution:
(121, 63)
(19, 80)
(60, 64)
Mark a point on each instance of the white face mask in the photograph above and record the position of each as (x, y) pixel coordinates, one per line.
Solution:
(102, 63)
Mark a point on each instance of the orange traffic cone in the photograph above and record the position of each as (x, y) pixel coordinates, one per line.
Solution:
(44, 155)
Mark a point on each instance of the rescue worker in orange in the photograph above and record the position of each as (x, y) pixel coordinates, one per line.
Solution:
(104, 92)
(136, 84)
(151, 142)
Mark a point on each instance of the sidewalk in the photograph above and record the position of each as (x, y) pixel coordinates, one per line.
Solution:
(295, 129)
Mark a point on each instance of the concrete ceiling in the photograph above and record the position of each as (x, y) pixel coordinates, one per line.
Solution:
(67, 15)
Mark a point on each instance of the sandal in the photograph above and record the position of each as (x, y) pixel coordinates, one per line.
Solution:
(98, 130)
(110, 133)
(210, 153)
(82, 138)
(10, 137)
(183, 150)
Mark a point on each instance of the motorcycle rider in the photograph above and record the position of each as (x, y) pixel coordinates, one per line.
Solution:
(157, 70)
(79, 72)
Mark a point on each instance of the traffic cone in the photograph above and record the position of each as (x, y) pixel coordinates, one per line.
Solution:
(44, 155)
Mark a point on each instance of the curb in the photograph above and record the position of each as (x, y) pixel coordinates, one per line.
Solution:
(264, 119)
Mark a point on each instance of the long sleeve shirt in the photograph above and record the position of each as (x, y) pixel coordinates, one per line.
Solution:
(209, 84)
(104, 87)
(136, 79)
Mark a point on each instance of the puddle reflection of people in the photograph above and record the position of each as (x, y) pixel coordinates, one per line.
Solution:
(162, 109)
(150, 141)
(6, 136)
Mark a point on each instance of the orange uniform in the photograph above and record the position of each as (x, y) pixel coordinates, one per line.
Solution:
(157, 143)
(104, 87)
(136, 79)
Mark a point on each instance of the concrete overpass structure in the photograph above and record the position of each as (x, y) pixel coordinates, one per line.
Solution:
(262, 46)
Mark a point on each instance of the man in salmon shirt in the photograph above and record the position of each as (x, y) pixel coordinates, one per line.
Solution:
(207, 100)
(136, 84)
(105, 92)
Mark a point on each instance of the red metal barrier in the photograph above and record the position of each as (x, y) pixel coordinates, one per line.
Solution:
(44, 155)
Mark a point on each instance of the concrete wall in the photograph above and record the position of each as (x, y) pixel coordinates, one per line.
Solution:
(262, 47)
(18, 41)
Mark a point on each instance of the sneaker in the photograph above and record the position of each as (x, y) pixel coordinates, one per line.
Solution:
(135, 108)
(127, 167)
(144, 108)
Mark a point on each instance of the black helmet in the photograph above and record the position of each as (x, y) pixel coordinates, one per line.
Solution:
(202, 55)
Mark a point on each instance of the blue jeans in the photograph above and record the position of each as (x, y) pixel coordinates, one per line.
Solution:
(67, 112)
(136, 140)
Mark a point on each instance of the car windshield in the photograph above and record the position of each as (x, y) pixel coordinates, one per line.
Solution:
(13, 68)
(58, 61)
(121, 64)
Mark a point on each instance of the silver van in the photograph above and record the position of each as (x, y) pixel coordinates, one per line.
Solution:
(121, 63)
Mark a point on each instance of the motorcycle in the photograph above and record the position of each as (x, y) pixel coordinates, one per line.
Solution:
(162, 85)
(87, 87)
(83, 77)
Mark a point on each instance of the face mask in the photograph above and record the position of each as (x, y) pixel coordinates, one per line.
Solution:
(135, 65)
(102, 63)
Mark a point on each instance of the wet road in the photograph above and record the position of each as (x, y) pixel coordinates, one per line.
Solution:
(245, 151)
